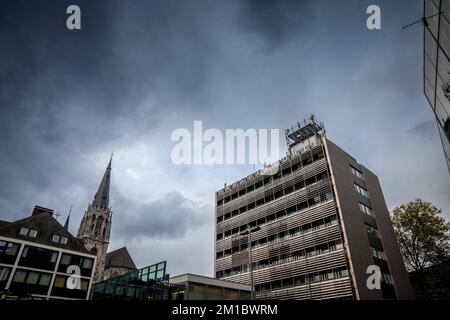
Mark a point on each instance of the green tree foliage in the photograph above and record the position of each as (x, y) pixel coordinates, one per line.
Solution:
(423, 236)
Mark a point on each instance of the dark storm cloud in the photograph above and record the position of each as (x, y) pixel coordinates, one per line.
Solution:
(170, 216)
(43, 67)
(276, 21)
(68, 93)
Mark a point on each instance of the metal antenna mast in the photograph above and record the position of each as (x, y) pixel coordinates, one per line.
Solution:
(423, 20)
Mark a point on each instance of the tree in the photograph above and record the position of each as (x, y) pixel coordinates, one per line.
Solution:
(423, 237)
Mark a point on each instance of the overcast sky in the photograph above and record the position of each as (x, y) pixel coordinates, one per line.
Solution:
(137, 70)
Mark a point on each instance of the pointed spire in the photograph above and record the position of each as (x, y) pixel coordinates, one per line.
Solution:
(101, 199)
(66, 224)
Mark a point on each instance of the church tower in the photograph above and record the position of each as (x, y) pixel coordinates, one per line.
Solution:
(95, 227)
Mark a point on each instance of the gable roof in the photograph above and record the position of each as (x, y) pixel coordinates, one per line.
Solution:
(4, 223)
(120, 258)
(46, 226)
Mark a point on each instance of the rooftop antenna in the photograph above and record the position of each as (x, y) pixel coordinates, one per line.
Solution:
(423, 20)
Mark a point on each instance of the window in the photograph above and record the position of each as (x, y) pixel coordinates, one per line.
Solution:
(39, 258)
(365, 209)
(31, 282)
(98, 225)
(33, 233)
(386, 278)
(361, 190)
(378, 253)
(59, 239)
(45, 279)
(338, 273)
(372, 231)
(32, 278)
(4, 273)
(84, 263)
(24, 231)
(84, 284)
(356, 172)
(19, 276)
(65, 259)
(8, 249)
(60, 282)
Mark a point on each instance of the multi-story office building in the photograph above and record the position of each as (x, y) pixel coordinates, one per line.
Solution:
(40, 259)
(312, 224)
(436, 60)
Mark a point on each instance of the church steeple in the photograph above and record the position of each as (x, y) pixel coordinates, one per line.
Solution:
(101, 199)
(66, 224)
(95, 227)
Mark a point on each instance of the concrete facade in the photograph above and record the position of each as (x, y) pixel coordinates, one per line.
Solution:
(320, 219)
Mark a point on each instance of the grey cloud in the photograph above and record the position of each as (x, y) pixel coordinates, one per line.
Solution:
(168, 217)
(276, 21)
(426, 129)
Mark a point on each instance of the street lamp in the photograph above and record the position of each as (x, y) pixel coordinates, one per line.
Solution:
(249, 232)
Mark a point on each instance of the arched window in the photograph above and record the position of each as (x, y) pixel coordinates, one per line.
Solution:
(98, 226)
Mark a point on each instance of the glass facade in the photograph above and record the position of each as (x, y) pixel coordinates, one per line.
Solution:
(62, 289)
(148, 283)
(39, 258)
(437, 66)
(29, 275)
(8, 252)
(86, 264)
(27, 282)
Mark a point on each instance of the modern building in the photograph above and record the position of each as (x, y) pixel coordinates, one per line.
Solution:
(436, 60)
(198, 287)
(95, 227)
(149, 283)
(38, 257)
(152, 283)
(311, 224)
